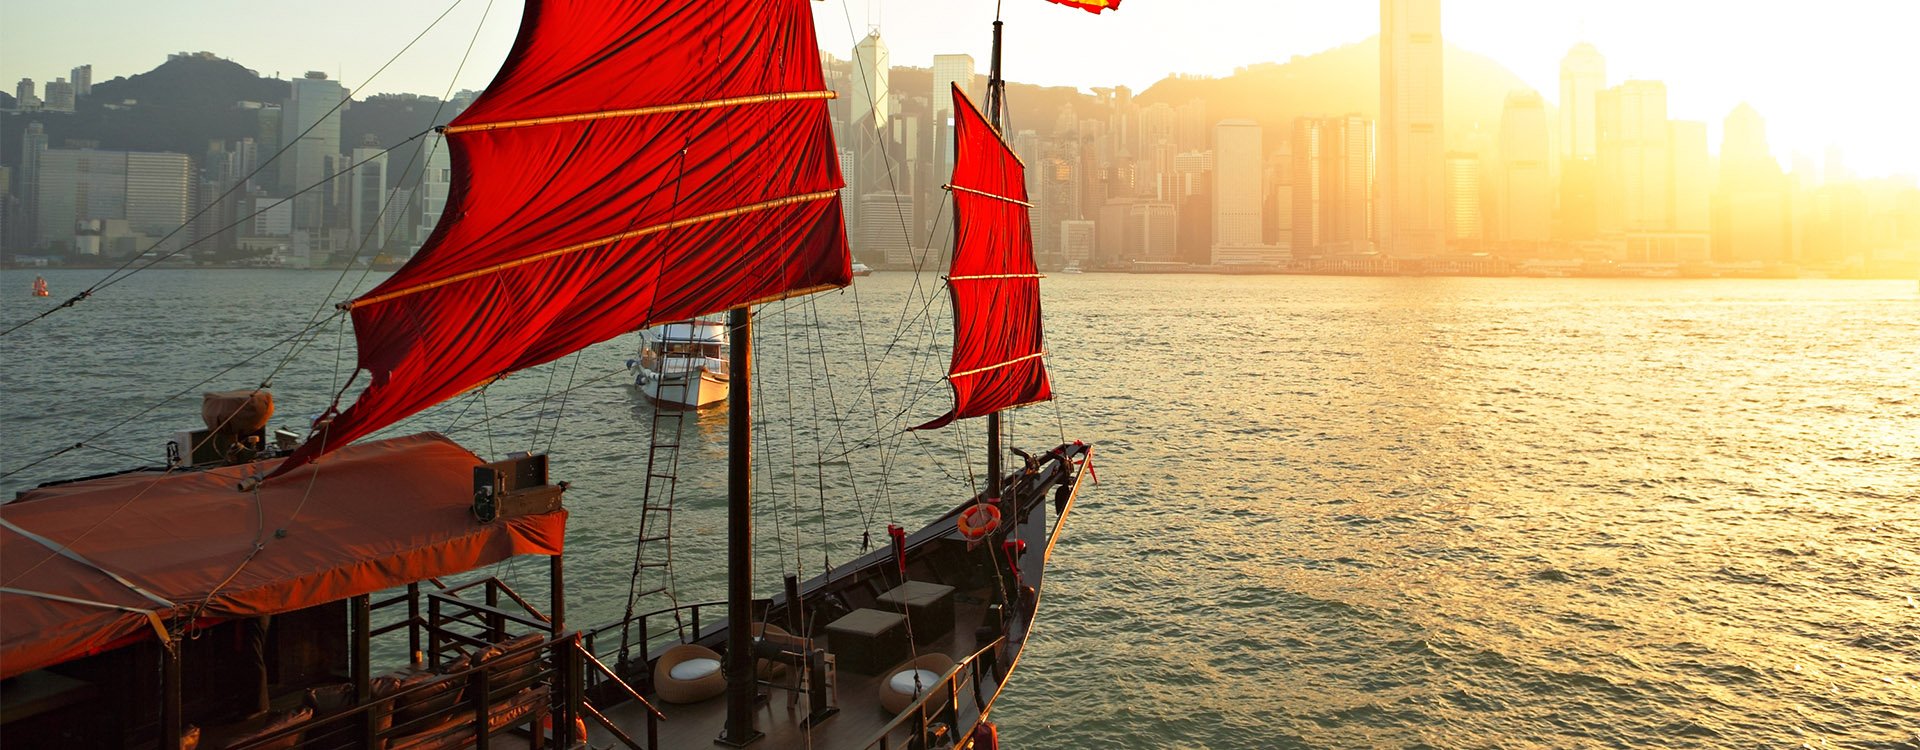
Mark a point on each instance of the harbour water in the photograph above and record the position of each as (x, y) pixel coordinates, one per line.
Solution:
(1332, 512)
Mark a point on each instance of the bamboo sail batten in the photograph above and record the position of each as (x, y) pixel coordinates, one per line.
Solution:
(639, 111)
(588, 245)
(997, 276)
(978, 370)
(985, 194)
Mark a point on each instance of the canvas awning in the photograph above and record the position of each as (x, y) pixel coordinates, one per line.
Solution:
(369, 517)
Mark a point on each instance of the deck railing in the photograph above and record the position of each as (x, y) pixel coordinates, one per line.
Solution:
(920, 725)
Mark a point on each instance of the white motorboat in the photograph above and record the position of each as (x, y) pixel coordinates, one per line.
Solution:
(683, 365)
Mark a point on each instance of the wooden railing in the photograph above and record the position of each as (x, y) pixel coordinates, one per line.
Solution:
(920, 721)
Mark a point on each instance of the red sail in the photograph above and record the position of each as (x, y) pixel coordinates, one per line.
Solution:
(631, 163)
(996, 289)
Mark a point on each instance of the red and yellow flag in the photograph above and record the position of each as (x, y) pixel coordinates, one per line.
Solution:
(1091, 6)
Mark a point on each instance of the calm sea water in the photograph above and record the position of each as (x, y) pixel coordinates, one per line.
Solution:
(1333, 512)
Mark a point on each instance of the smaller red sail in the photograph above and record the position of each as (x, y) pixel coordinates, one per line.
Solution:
(997, 343)
(1090, 6)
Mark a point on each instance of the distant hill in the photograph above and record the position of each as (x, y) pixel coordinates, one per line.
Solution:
(188, 101)
(1340, 81)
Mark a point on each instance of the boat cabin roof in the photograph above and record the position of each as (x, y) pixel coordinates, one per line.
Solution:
(694, 332)
(91, 565)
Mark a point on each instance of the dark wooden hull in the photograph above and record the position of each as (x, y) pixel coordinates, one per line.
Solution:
(993, 611)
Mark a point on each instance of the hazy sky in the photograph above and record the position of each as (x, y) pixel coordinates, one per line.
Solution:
(1831, 71)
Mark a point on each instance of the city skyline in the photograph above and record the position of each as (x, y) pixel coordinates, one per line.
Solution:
(1819, 80)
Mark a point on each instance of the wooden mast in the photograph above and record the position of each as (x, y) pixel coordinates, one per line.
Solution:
(741, 686)
(996, 89)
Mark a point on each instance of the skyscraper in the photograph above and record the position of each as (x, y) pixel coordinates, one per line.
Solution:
(25, 96)
(370, 216)
(1412, 163)
(947, 71)
(33, 146)
(1524, 189)
(310, 124)
(1236, 184)
(1465, 210)
(83, 80)
(1633, 152)
(1751, 210)
(1583, 73)
(1332, 204)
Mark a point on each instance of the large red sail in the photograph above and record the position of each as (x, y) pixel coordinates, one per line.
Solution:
(997, 344)
(632, 162)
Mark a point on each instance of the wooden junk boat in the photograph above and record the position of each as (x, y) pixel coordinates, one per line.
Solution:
(321, 593)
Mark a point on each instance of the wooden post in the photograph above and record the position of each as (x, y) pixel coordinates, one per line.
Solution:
(360, 614)
(170, 694)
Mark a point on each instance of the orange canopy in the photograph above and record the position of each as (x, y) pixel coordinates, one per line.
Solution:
(372, 516)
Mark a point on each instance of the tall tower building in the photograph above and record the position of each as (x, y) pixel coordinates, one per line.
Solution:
(1236, 184)
(312, 116)
(83, 80)
(1634, 192)
(33, 148)
(1332, 172)
(949, 70)
(1465, 209)
(1752, 209)
(370, 216)
(1583, 73)
(1692, 178)
(1524, 188)
(1412, 165)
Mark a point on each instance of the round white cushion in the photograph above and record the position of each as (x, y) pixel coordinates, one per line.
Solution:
(902, 681)
(694, 669)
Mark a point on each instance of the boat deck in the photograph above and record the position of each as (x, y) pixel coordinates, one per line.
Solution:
(781, 712)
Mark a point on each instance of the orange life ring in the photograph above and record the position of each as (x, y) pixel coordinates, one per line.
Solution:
(979, 520)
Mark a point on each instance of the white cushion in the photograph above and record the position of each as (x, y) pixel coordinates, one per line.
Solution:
(902, 681)
(694, 669)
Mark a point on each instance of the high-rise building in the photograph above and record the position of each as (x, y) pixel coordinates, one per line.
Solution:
(33, 146)
(369, 216)
(885, 218)
(1236, 183)
(949, 70)
(1076, 241)
(1752, 208)
(59, 95)
(1332, 207)
(1523, 185)
(150, 192)
(310, 124)
(436, 180)
(1634, 192)
(25, 95)
(1465, 209)
(1153, 231)
(1583, 73)
(1412, 161)
(83, 80)
(1692, 178)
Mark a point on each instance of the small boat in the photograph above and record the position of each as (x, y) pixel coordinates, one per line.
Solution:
(683, 365)
(1071, 267)
(40, 286)
(862, 269)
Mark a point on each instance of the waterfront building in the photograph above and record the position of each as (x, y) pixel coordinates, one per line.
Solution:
(1412, 137)
(310, 125)
(1332, 209)
(1583, 73)
(1238, 160)
(949, 70)
(1523, 184)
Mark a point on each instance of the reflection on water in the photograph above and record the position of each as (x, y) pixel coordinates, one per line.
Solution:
(1334, 512)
